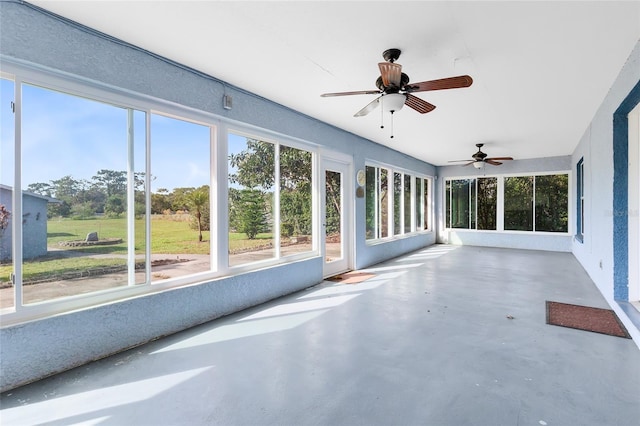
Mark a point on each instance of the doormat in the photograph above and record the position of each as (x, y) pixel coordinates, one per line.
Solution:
(597, 320)
(353, 277)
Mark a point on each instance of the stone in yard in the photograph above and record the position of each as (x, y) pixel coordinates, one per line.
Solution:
(92, 236)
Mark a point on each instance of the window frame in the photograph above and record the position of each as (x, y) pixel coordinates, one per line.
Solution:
(223, 166)
(473, 203)
(500, 202)
(72, 85)
(426, 208)
(579, 235)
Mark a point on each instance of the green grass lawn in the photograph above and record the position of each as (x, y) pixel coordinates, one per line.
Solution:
(167, 236)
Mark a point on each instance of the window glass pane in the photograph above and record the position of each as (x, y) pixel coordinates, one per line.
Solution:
(180, 177)
(295, 201)
(384, 203)
(251, 195)
(447, 210)
(407, 203)
(460, 204)
(371, 203)
(7, 133)
(397, 200)
(419, 204)
(426, 203)
(552, 203)
(333, 216)
(487, 202)
(74, 171)
(518, 203)
(472, 199)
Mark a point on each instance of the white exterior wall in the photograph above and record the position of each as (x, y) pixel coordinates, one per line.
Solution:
(596, 253)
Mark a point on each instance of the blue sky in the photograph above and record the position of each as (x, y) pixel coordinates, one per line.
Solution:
(67, 135)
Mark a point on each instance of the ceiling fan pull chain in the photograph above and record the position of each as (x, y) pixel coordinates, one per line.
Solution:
(382, 118)
(391, 124)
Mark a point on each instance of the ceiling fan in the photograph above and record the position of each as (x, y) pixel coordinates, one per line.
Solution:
(480, 158)
(395, 91)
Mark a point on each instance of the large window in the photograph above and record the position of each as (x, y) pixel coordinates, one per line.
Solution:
(82, 199)
(7, 170)
(268, 220)
(471, 203)
(180, 197)
(112, 197)
(377, 203)
(397, 203)
(406, 205)
(551, 203)
(518, 203)
(409, 202)
(530, 203)
(421, 203)
(536, 203)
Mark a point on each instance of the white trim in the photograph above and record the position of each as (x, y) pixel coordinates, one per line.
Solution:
(634, 204)
(347, 218)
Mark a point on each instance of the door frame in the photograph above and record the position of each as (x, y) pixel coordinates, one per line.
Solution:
(634, 204)
(344, 164)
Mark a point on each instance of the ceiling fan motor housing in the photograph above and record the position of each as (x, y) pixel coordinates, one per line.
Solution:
(479, 156)
(391, 55)
(404, 80)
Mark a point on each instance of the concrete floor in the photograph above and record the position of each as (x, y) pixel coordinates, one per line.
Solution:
(426, 341)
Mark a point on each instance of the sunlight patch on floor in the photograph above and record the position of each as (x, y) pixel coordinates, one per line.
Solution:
(292, 308)
(244, 329)
(76, 408)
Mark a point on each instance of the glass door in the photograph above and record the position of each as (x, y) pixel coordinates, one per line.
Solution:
(335, 205)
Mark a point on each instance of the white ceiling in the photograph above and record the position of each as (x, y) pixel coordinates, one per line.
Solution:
(541, 69)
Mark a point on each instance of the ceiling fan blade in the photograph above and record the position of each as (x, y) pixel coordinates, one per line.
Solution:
(493, 163)
(358, 92)
(444, 83)
(367, 109)
(470, 162)
(418, 104)
(459, 161)
(391, 74)
(499, 158)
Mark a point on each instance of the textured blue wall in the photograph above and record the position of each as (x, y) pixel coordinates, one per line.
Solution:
(621, 195)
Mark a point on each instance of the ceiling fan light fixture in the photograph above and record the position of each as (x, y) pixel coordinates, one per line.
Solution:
(478, 164)
(393, 102)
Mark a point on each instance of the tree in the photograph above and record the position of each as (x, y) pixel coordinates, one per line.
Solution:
(333, 205)
(113, 182)
(41, 188)
(115, 205)
(82, 211)
(251, 217)
(160, 201)
(197, 200)
(179, 198)
(5, 215)
(234, 209)
(254, 168)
